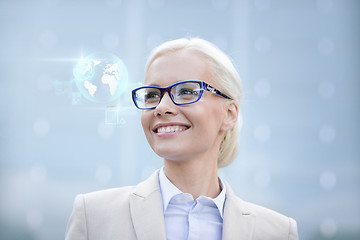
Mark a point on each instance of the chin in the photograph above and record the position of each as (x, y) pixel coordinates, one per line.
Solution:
(168, 147)
(168, 154)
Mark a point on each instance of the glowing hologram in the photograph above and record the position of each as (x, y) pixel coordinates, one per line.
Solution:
(76, 98)
(114, 115)
(101, 77)
(90, 87)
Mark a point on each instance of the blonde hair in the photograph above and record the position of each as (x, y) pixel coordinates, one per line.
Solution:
(223, 72)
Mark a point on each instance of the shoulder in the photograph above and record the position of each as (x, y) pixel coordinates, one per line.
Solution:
(271, 223)
(263, 213)
(106, 204)
(266, 223)
(96, 215)
(112, 195)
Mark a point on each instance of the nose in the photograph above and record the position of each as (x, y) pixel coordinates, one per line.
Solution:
(165, 106)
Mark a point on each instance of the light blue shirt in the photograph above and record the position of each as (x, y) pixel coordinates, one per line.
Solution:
(189, 219)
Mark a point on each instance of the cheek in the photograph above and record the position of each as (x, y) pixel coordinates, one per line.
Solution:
(213, 118)
(145, 122)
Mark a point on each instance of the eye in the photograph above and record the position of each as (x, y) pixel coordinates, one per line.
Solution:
(187, 91)
(152, 95)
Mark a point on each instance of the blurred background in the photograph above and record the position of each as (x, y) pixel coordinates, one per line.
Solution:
(299, 64)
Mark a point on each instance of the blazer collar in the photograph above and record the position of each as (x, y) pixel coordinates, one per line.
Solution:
(238, 220)
(148, 216)
(147, 210)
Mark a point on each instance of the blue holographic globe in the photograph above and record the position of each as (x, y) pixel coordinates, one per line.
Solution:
(101, 77)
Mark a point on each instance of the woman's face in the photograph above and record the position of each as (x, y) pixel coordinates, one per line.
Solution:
(196, 129)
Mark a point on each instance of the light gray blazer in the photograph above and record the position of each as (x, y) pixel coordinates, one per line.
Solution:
(137, 213)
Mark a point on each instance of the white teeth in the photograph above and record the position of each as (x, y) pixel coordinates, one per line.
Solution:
(170, 129)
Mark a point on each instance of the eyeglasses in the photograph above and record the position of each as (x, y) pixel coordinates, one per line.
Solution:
(181, 93)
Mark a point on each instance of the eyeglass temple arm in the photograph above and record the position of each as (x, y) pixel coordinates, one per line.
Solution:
(215, 91)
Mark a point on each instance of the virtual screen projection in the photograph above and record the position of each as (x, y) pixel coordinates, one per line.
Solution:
(100, 78)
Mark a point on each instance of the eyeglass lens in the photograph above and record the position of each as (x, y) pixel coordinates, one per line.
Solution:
(182, 93)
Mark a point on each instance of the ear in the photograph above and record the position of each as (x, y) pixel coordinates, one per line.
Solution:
(231, 117)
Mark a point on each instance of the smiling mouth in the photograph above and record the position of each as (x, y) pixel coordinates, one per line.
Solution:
(171, 129)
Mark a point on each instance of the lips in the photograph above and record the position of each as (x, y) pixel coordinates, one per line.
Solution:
(170, 128)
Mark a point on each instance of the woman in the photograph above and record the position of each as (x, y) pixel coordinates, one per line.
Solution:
(190, 105)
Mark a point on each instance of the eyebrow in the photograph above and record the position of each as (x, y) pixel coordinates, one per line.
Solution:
(157, 85)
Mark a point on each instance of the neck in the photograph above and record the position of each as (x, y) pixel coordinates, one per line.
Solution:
(197, 177)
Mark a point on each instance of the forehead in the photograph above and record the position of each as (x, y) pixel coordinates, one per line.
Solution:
(173, 67)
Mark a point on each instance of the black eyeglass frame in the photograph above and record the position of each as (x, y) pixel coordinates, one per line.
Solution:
(203, 86)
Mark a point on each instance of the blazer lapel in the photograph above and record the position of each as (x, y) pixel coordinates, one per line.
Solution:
(238, 222)
(147, 210)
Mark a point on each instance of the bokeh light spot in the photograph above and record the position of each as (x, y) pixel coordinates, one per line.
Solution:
(44, 82)
(38, 173)
(111, 41)
(41, 127)
(262, 88)
(262, 178)
(328, 227)
(48, 39)
(34, 219)
(326, 89)
(220, 5)
(324, 5)
(113, 3)
(262, 132)
(103, 174)
(327, 180)
(326, 46)
(327, 134)
(51, 3)
(262, 45)
(156, 4)
(262, 5)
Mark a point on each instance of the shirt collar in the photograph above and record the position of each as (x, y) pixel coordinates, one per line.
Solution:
(169, 190)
